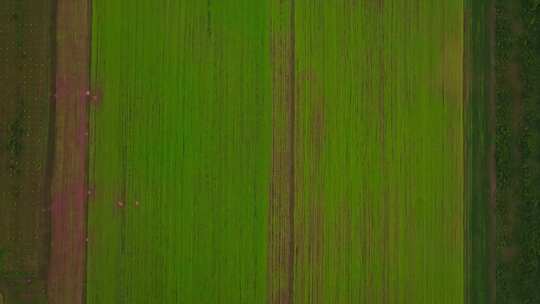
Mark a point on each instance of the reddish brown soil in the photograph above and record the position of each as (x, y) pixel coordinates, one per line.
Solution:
(66, 272)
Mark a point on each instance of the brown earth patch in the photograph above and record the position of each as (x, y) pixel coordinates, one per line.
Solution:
(66, 272)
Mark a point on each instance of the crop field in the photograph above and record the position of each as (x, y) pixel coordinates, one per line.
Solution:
(479, 152)
(273, 151)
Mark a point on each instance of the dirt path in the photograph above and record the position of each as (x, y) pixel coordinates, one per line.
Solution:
(66, 269)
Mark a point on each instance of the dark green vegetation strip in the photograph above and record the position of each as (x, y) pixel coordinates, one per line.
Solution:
(26, 52)
(479, 152)
(276, 151)
(518, 151)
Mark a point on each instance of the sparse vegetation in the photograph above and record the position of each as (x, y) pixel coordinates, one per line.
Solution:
(518, 151)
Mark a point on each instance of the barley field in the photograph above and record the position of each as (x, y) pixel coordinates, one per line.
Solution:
(271, 151)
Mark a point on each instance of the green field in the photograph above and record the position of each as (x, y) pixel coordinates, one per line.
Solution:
(479, 152)
(276, 151)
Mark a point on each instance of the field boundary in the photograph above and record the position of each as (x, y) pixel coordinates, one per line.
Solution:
(66, 269)
(479, 150)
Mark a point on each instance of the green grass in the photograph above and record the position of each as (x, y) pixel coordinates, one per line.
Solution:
(183, 128)
(388, 171)
(182, 141)
(478, 138)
